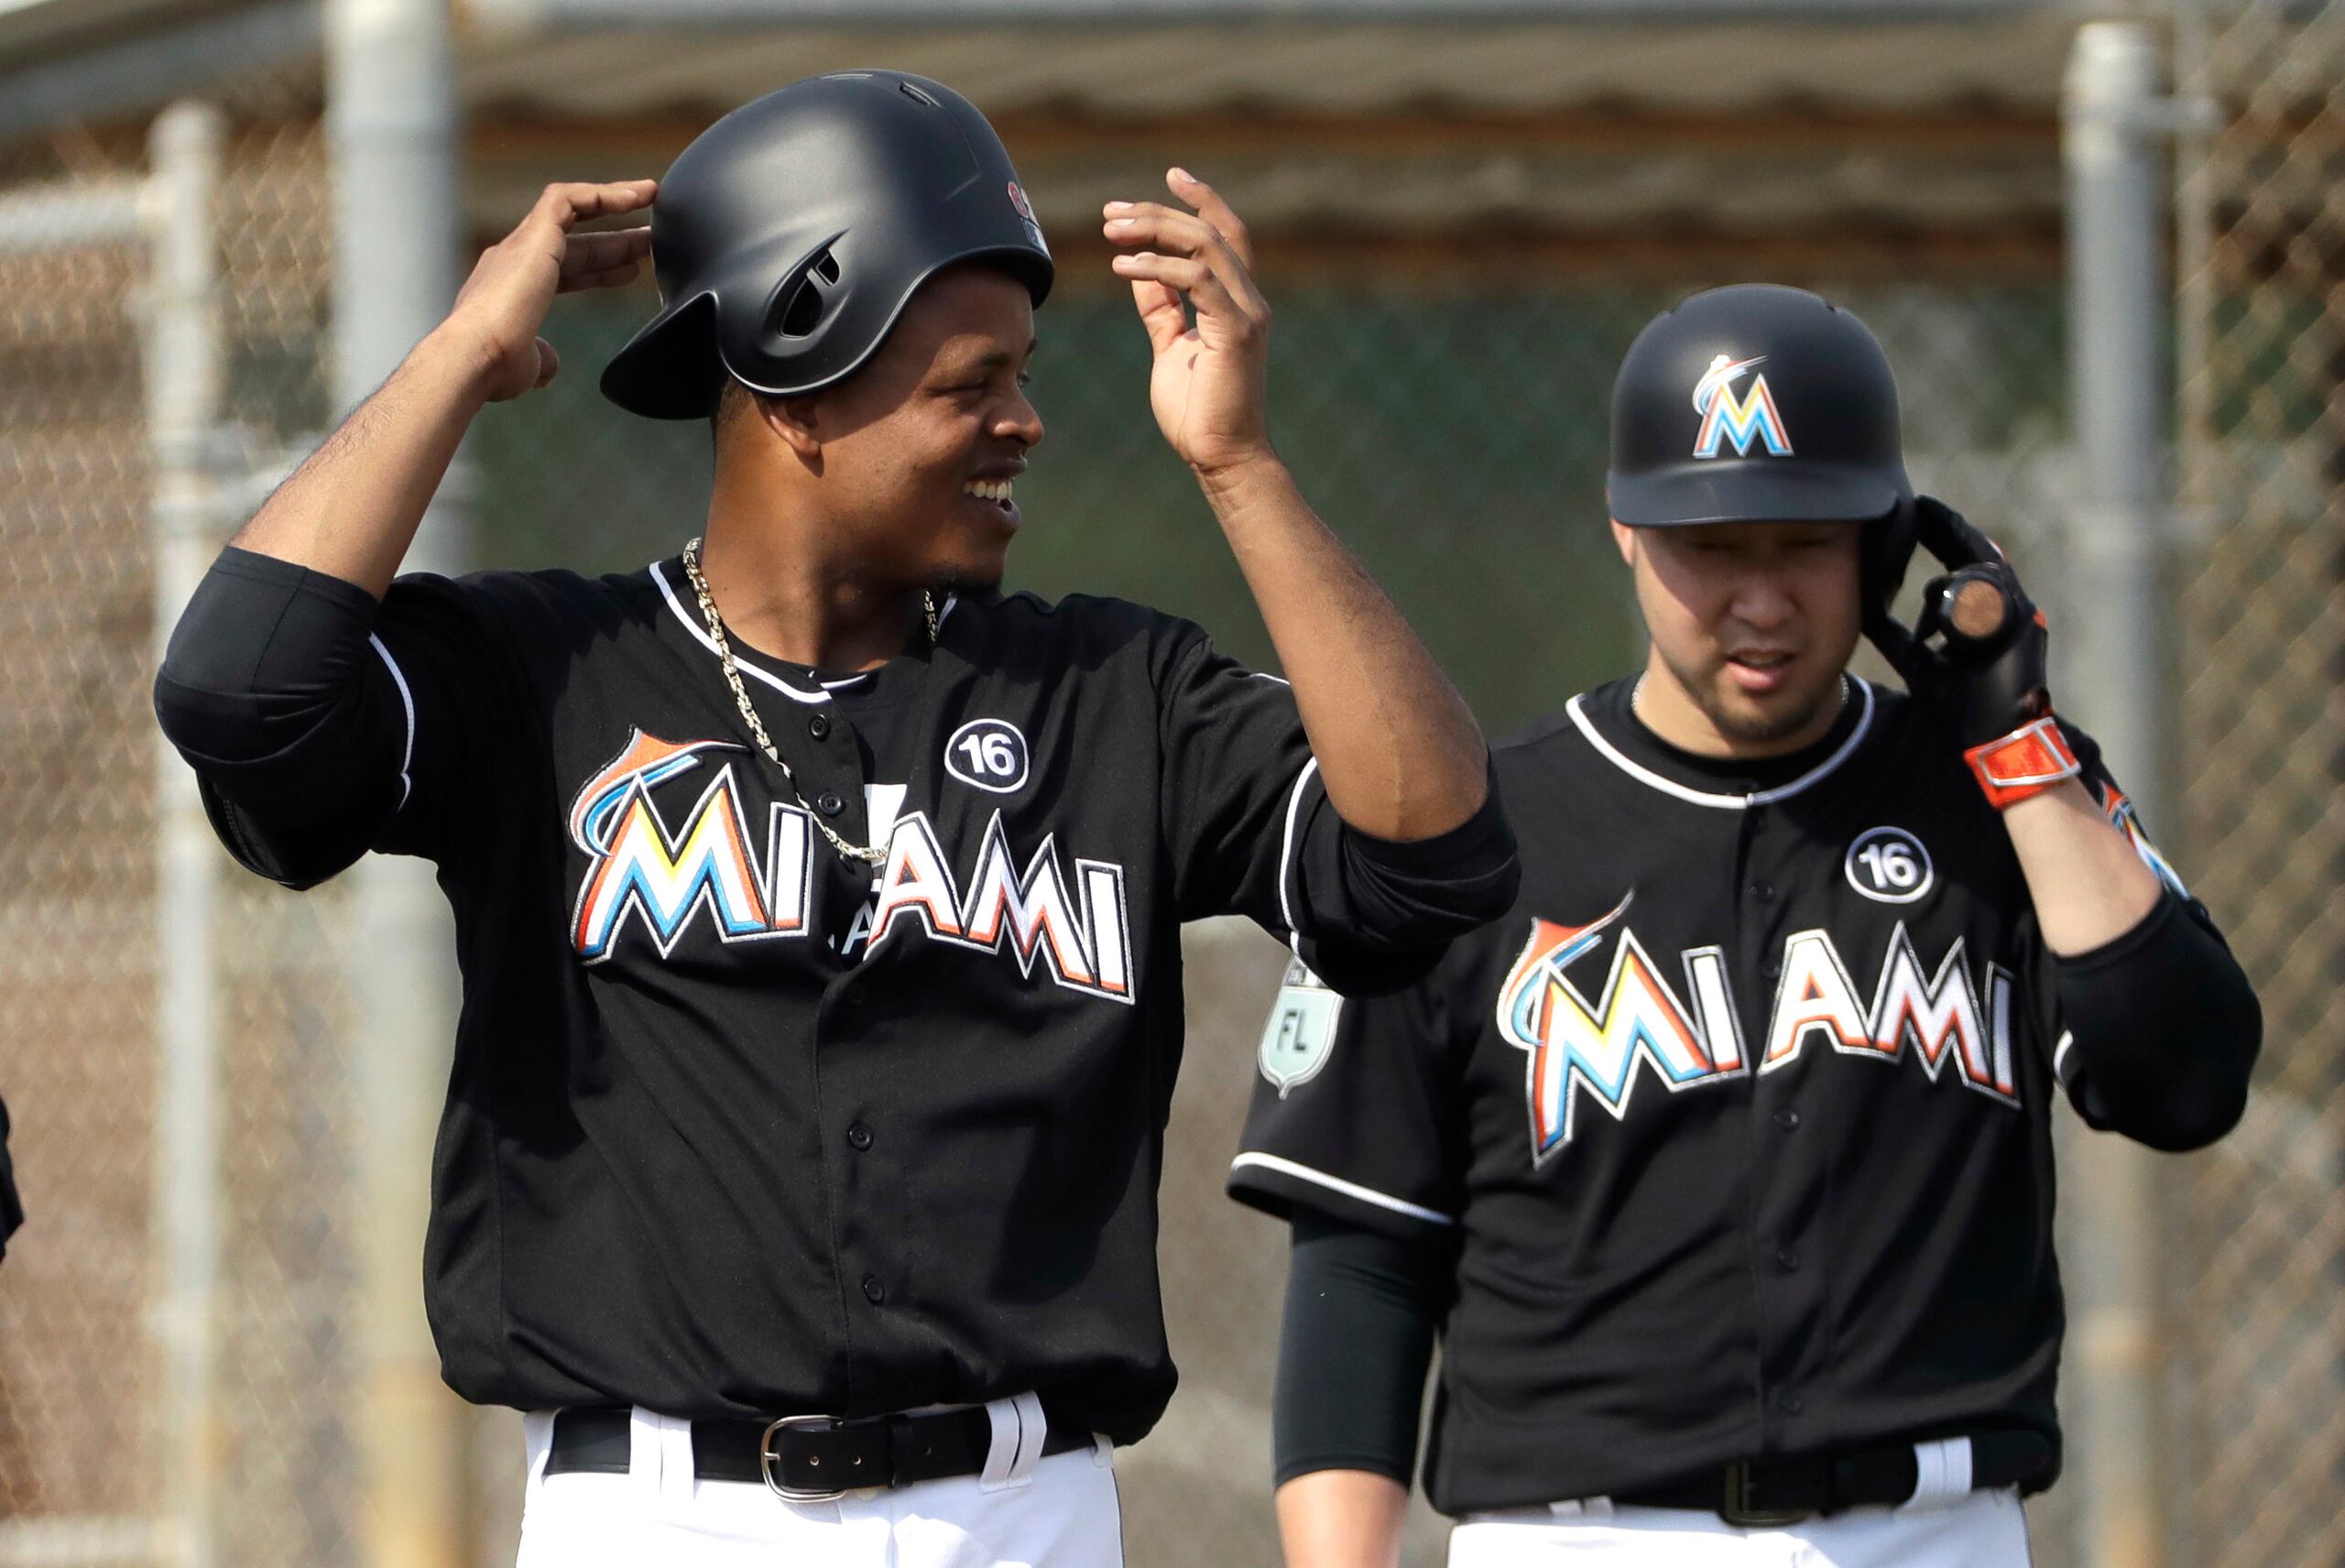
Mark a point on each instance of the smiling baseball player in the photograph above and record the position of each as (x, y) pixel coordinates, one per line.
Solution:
(818, 906)
(1724, 1163)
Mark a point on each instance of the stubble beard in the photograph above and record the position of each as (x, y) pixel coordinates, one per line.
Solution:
(1745, 726)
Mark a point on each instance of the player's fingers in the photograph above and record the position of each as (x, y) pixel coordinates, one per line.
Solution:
(1185, 233)
(1220, 318)
(1161, 313)
(1213, 209)
(566, 203)
(603, 249)
(1948, 535)
(1154, 223)
(616, 277)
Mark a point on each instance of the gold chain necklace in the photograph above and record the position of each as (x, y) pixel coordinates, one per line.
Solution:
(869, 855)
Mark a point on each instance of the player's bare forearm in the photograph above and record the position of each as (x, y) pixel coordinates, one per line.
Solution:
(1341, 1519)
(2089, 886)
(1401, 755)
(352, 509)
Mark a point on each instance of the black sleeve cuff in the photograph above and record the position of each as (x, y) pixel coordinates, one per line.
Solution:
(1407, 900)
(263, 691)
(2163, 1028)
(1361, 1313)
(1287, 1189)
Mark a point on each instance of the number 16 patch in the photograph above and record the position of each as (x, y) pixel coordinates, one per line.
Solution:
(1300, 1031)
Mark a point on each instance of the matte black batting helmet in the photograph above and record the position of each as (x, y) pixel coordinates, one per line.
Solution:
(789, 235)
(1758, 403)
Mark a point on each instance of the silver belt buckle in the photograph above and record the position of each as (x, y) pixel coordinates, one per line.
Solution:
(767, 1458)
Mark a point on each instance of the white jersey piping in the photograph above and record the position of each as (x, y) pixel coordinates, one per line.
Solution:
(407, 700)
(1337, 1184)
(1286, 855)
(795, 693)
(1713, 798)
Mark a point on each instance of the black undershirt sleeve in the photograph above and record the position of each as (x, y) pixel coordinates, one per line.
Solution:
(2164, 1029)
(1361, 1312)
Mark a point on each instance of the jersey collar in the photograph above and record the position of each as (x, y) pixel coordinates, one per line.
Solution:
(793, 682)
(1603, 718)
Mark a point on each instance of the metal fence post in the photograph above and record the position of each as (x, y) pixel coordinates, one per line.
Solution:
(2113, 118)
(391, 119)
(183, 407)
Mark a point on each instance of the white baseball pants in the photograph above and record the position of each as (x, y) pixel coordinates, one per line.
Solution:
(1061, 1513)
(1979, 1530)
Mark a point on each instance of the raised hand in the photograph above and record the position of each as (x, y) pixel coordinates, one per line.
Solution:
(502, 304)
(1207, 385)
(1976, 655)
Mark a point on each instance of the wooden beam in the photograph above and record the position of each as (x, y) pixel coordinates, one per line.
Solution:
(1787, 128)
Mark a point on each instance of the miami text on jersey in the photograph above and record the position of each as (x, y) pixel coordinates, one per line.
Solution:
(1029, 910)
(637, 867)
(1595, 1047)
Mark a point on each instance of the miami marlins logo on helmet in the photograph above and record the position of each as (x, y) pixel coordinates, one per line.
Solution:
(1753, 416)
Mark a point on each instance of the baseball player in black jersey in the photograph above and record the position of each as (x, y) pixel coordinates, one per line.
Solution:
(1723, 1163)
(818, 905)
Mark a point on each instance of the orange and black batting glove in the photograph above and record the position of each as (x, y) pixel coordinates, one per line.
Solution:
(1975, 661)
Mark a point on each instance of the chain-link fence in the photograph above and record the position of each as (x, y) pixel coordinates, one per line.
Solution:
(1455, 436)
(85, 1452)
(2264, 771)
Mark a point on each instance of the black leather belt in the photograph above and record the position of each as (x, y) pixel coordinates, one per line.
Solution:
(807, 1459)
(1762, 1493)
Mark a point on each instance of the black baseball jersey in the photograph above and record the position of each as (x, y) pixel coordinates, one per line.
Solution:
(737, 1126)
(1738, 1124)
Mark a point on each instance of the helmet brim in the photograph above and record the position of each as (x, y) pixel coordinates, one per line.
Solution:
(669, 369)
(1759, 491)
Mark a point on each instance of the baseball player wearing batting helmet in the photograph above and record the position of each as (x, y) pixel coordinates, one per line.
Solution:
(1723, 1163)
(818, 904)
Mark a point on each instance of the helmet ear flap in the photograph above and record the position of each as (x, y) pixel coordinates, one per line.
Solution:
(1887, 551)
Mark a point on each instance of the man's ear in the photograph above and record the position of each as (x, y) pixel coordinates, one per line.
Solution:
(1625, 537)
(797, 421)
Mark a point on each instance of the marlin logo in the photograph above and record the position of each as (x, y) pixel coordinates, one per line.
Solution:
(1753, 416)
(1574, 1044)
(637, 867)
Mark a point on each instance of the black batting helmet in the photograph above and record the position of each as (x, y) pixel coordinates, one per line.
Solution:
(1758, 403)
(789, 235)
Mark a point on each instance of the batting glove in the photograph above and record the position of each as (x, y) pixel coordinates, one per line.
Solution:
(1975, 661)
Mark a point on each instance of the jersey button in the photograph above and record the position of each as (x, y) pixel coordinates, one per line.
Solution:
(1771, 970)
(1787, 1260)
(874, 1291)
(858, 1137)
(819, 726)
(1787, 1119)
(1791, 1404)
(853, 994)
(829, 803)
(1763, 891)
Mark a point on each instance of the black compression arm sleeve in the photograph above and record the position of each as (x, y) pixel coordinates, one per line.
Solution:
(2164, 1029)
(1361, 1310)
